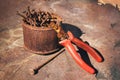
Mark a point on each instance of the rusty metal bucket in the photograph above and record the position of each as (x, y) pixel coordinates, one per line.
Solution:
(40, 40)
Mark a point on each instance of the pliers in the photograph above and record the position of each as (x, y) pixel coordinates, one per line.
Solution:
(66, 40)
(67, 43)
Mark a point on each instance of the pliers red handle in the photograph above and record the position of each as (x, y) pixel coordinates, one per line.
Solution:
(68, 45)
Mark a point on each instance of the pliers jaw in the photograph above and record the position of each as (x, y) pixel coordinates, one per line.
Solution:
(67, 43)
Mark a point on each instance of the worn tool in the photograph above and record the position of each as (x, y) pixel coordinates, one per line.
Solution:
(66, 40)
(38, 18)
(36, 70)
(53, 21)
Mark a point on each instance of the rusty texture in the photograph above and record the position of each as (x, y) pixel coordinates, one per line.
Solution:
(39, 36)
(39, 18)
(40, 40)
(101, 28)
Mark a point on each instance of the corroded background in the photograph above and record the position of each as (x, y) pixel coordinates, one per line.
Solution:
(101, 28)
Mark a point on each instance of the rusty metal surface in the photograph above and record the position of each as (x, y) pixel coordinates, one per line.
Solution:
(101, 28)
(40, 40)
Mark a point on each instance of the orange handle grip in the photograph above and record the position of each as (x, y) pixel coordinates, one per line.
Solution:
(85, 47)
(76, 56)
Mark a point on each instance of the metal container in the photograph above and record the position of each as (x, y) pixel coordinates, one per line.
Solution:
(40, 40)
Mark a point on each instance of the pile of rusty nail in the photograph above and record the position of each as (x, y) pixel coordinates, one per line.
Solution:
(39, 18)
